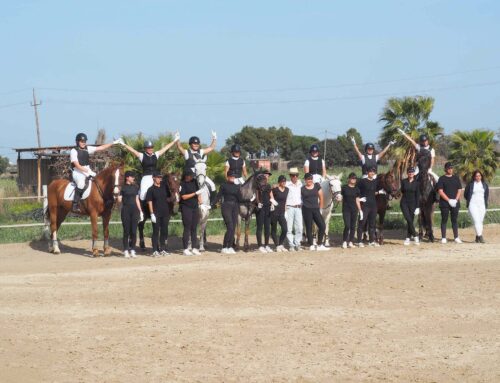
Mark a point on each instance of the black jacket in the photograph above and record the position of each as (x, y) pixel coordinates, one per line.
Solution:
(470, 188)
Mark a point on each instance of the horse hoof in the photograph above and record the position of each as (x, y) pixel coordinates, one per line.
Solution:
(95, 252)
(107, 251)
(56, 250)
(202, 248)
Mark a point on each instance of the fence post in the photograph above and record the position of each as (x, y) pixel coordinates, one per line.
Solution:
(46, 221)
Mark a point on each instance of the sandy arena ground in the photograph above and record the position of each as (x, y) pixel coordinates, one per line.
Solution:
(395, 313)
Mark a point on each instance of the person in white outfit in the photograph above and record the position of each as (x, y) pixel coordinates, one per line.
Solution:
(369, 160)
(315, 165)
(293, 213)
(422, 148)
(476, 194)
(149, 160)
(237, 165)
(80, 165)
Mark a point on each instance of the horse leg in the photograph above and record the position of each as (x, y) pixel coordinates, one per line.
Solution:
(203, 227)
(93, 221)
(247, 233)
(327, 231)
(380, 228)
(238, 234)
(55, 223)
(105, 226)
(429, 223)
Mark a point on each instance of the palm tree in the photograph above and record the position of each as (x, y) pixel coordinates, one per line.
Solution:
(474, 150)
(410, 114)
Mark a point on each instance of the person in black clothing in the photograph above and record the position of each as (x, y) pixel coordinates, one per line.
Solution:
(229, 193)
(312, 200)
(263, 211)
(350, 208)
(367, 217)
(409, 204)
(449, 189)
(190, 200)
(131, 213)
(157, 198)
(279, 195)
(237, 165)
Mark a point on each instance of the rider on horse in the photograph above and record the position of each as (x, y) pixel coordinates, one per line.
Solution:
(315, 164)
(369, 160)
(80, 165)
(149, 160)
(237, 165)
(193, 154)
(424, 150)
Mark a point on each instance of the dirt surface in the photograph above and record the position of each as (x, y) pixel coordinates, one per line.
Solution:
(395, 313)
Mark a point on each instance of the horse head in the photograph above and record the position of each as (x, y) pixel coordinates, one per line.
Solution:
(111, 179)
(389, 183)
(335, 186)
(173, 182)
(200, 171)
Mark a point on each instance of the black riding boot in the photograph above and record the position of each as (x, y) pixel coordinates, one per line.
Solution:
(213, 196)
(477, 239)
(480, 239)
(76, 200)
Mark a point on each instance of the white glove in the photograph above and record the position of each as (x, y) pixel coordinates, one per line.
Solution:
(274, 203)
(362, 199)
(353, 140)
(417, 211)
(361, 215)
(392, 142)
(272, 208)
(177, 136)
(198, 192)
(253, 198)
(141, 216)
(452, 202)
(214, 135)
(401, 131)
(90, 173)
(259, 205)
(382, 191)
(429, 171)
(153, 217)
(118, 141)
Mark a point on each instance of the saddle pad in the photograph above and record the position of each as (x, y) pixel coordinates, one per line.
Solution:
(69, 192)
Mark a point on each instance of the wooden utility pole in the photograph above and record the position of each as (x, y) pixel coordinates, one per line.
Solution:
(35, 105)
(324, 154)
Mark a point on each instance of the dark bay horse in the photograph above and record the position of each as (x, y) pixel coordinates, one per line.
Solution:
(247, 207)
(172, 182)
(427, 195)
(105, 189)
(389, 184)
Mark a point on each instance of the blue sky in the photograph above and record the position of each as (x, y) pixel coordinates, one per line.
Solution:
(197, 66)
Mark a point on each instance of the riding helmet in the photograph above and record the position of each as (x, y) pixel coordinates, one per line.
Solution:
(148, 144)
(423, 138)
(81, 137)
(188, 172)
(448, 165)
(369, 145)
(281, 178)
(235, 148)
(194, 140)
(129, 173)
(156, 173)
(314, 148)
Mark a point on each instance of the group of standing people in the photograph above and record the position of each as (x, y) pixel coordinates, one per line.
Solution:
(291, 204)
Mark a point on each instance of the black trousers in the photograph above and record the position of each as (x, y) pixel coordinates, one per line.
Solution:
(350, 216)
(368, 222)
(130, 218)
(230, 216)
(190, 219)
(309, 216)
(160, 229)
(445, 212)
(263, 217)
(275, 219)
(408, 211)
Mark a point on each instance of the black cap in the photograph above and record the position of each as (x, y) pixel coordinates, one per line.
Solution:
(411, 169)
(156, 173)
(308, 176)
(129, 173)
(352, 175)
(194, 140)
(281, 178)
(372, 169)
(188, 172)
(231, 173)
(448, 165)
(235, 148)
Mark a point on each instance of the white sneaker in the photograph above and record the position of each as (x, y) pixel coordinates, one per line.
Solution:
(292, 249)
(230, 250)
(374, 244)
(361, 244)
(417, 240)
(312, 248)
(458, 240)
(187, 252)
(126, 254)
(406, 242)
(196, 252)
(443, 240)
(322, 248)
(284, 249)
(224, 250)
(262, 249)
(165, 253)
(344, 245)
(156, 254)
(278, 249)
(269, 250)
(351, 245)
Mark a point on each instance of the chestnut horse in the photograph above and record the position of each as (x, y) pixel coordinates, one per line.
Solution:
(389, 184)
(105, 189)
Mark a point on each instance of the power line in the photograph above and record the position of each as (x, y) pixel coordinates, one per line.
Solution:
(15, 104)
(14, 91)
(270, 90)
(269, 102)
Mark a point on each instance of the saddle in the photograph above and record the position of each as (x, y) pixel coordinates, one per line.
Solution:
(69, 192)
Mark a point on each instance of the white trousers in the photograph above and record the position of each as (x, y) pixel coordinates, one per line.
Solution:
(477, 211)
(79, 178)
(317, 178)
(294, 221)
(146, 183)
(239, 181)
(210, 183)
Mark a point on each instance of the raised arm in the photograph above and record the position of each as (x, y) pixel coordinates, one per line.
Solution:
(100, 148)
(169, 145)
(212, 144)
(179, 147)
(407, 137)
(382, 153)
(131, 150)
(360, 155)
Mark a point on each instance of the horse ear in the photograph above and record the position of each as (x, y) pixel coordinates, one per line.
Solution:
(340, 175)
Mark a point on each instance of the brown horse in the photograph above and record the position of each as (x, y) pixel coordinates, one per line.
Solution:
(389, 184)
(105, 189)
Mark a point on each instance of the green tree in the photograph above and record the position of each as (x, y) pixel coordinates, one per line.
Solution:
(474, 150)
(335, 153)
(302, 143)
(410, 114)
(4, 163)
(350, 156)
